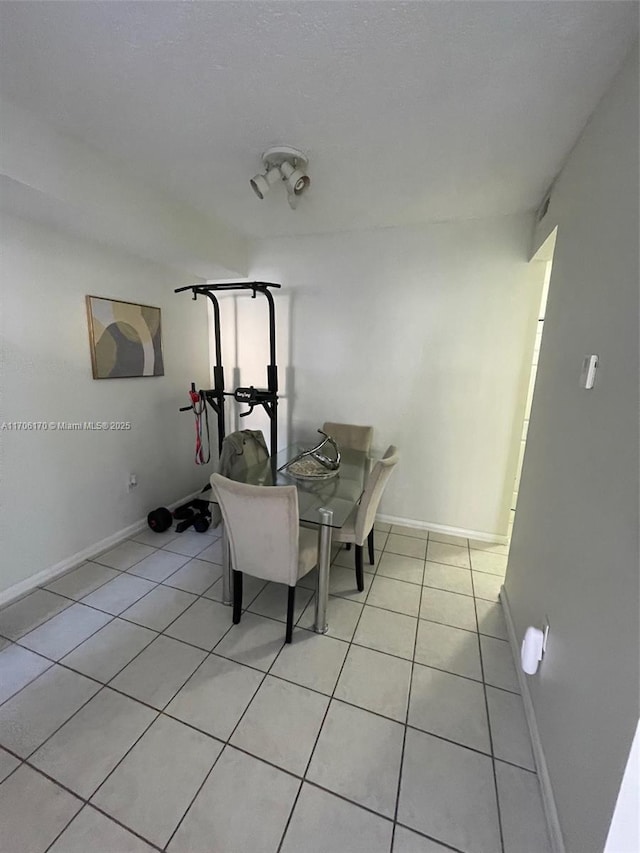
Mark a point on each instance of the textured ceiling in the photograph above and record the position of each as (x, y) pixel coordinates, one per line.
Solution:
(410, 112)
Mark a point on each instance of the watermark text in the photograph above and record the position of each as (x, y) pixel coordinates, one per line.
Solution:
(64, 426)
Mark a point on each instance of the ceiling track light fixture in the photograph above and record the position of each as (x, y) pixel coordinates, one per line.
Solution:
(286, 164)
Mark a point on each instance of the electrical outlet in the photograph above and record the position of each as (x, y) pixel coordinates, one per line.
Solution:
(132, 482)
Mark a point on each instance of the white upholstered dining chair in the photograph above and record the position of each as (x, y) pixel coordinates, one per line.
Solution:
(265, 537)
(359, 525)
(354, 437)
(350, 435)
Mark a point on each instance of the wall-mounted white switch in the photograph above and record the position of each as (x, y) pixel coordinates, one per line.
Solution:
(588, 374)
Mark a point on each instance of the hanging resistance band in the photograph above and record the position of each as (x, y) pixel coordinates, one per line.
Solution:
(199, 406)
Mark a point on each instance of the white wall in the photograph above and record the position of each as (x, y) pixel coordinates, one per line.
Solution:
(574, 553)
(51, 177)
(61, 492)
(624, 832)
(427, 334)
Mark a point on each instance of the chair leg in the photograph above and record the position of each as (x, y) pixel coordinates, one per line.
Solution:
(359, 568)
(237, 596)
(370, 544)
(291, 601)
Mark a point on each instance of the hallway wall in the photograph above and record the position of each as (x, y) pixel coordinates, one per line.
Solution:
(574, 554)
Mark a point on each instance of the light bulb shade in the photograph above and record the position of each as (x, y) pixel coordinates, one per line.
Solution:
(261, 184)
(295, 180)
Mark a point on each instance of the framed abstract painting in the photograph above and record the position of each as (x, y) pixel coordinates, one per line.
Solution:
(125, 339)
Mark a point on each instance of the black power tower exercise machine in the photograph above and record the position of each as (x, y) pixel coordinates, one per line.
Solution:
(197, 512)
(215, 397)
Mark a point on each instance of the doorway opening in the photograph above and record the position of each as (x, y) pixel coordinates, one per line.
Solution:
(544, 255)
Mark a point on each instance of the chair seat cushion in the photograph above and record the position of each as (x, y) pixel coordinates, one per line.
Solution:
(347, 533)
(307, 550)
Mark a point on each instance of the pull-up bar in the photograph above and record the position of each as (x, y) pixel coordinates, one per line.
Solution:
(266, 397)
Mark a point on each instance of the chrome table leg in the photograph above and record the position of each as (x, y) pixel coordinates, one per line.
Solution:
(324, 561)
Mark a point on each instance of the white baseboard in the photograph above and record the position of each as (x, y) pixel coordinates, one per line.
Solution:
(548, 800)
(480, 535)
(21, 588)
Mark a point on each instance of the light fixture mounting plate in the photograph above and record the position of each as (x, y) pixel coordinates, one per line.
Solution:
(279, 154)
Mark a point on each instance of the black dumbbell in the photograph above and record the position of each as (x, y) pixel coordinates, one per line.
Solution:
(201, 522)
(186, 522)
(184, 511)
(160, 519)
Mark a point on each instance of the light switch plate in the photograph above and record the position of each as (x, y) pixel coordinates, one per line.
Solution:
(588, 374)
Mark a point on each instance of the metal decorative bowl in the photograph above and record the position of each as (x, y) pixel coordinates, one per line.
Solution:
(310, 469)
(314, 465)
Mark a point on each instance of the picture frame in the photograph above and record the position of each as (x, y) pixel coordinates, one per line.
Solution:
(125, 338)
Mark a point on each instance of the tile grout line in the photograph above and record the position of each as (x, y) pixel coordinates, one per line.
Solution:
(321, 727)
(209, 652)
(314, 690)
(194, 603)
(212, 652)
(162, 632)
(489, 728)
(336, 699)
(21, 761)
(87, 804)
(93, 560)
(158, 714)
(40, 624)
(60, 662)
(240, 749)
(227, 742)
(104, 612)
(406, 719)
(78, 601)
(444, 844)
(198, 595)
(35, 677)
(55, 662)
(103, 686)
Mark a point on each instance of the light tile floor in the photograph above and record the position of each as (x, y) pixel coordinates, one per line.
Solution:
(135, 717)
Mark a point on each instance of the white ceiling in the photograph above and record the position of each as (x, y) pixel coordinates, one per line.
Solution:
(410, 112)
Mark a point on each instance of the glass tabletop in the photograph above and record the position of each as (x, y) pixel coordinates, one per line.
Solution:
(339, 493)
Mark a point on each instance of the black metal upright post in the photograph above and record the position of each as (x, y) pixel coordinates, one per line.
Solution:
(272, 375)
(218, 373)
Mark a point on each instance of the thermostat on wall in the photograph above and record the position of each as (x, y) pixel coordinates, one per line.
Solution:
(588, 374)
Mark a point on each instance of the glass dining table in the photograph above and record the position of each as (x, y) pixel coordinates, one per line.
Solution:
(322, 503)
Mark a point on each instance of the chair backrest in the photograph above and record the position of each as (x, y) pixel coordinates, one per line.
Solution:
(263, 528)
(376, 484)
(350, 436)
